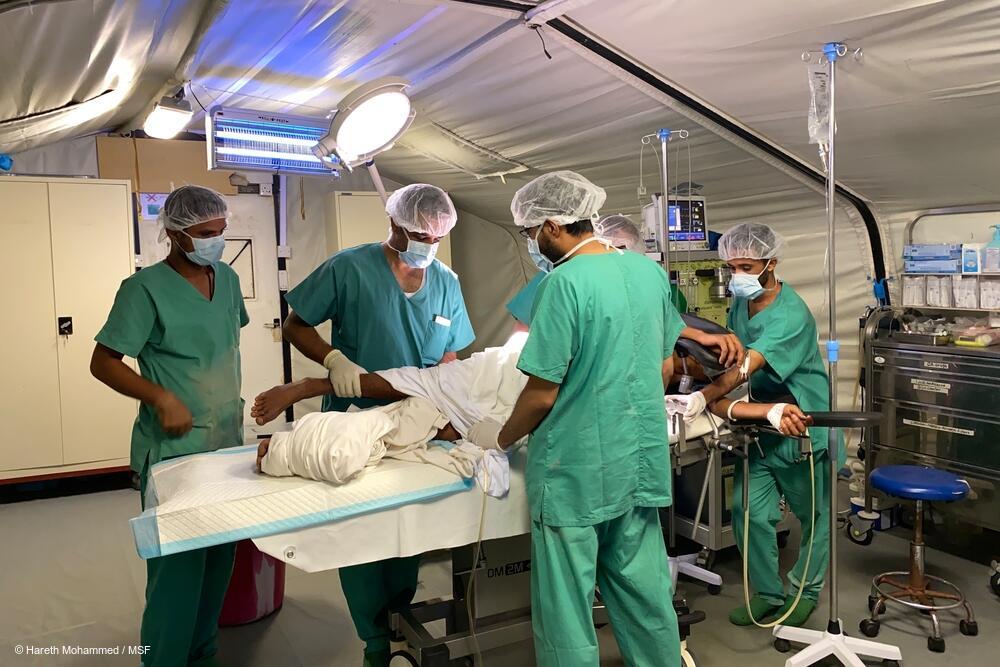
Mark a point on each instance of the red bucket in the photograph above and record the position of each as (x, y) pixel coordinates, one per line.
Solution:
(256, 589)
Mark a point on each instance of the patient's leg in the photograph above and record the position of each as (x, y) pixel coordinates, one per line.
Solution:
(277, 399)
(447, 433)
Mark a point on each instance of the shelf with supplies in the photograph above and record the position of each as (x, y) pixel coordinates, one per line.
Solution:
(970, 292)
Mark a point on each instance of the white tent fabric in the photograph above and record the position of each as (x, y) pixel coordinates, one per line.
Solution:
(916, 125)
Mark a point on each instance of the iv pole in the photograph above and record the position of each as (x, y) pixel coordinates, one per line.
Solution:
(664, 224)
(833, 642)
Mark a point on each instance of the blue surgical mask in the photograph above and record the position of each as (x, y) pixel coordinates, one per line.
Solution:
(746, 285)
(418, 255)
(543, 263)
(206, 251)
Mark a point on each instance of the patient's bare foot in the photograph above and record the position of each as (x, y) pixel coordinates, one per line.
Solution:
(262, 451)
(272, 403)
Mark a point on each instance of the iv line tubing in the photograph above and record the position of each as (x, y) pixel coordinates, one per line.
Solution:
(746, 541)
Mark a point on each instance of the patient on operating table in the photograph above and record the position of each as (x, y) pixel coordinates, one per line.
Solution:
(442, 401)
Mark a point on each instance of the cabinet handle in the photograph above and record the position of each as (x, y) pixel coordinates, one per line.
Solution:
(65, 326)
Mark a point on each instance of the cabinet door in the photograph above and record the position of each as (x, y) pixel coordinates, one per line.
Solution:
(91, 254)
(361, 218)
(29, 411)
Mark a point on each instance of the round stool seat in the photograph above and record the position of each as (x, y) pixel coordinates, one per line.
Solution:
(918, 483)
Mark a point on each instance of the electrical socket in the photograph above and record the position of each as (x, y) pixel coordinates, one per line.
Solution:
(641, 191)
(265, 190)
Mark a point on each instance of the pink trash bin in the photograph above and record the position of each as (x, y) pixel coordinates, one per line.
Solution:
(256, 589)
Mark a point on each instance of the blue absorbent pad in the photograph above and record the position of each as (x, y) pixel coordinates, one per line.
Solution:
(218, 497)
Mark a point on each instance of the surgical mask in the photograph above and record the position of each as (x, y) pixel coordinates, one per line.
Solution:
(418, 255)
(543, 263)
(206, 251)
(747, 285)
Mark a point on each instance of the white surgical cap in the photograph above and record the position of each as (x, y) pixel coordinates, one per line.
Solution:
(622, 232)
(751, 241)
(422, 209)
(560, 196)
(190, 205)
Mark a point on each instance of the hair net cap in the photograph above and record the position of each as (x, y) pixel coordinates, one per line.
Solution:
(560, 196)
(622, 232)
(751, 241)
(422, 209)
(191, 205)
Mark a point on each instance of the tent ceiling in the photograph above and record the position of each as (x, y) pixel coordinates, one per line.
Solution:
(917, 122)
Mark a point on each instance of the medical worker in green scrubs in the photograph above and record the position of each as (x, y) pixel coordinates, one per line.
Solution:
(783, 360)
(602, 333)
(181, 319)
(391, 305)
(620, 231)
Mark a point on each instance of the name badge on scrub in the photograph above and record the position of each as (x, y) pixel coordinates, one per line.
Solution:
(443, 321)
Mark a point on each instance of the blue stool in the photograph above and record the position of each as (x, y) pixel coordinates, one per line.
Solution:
(912, 588)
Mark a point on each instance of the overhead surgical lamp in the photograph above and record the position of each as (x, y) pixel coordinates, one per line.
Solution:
(168, 117)
(368, 121)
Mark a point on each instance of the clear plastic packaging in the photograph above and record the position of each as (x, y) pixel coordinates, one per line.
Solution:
(939, 291)
(965, 291)
(989, 292)
(914, 290)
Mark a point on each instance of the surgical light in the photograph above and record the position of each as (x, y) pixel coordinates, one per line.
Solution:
(168, 117)
(368, 121)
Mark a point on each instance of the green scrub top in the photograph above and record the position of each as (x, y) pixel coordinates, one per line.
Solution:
(374, 323)
(520, 305)
(187, 345)
(784, 333)
(601, 327)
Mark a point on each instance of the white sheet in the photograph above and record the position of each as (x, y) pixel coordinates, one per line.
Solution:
(443, 523)
(486, 385)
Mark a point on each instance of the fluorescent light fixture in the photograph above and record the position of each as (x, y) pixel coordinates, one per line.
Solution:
(168, 117)
(247, 140)
(368, 121)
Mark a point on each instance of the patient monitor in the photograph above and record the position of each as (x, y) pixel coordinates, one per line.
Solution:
(686, 223)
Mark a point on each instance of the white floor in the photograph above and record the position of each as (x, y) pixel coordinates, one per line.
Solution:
(70, 576)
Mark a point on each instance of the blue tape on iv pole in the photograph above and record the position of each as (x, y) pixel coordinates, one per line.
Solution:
(833, 350)
(663, 133)
(830, 51)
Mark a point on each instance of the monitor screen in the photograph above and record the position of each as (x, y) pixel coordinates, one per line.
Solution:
(687, 220)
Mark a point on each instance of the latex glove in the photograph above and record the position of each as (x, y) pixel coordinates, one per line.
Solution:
(695, 406)
(345, 375)
(486, 434)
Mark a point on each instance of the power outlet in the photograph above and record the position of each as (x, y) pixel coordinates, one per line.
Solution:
(641, 191)
(265, 190)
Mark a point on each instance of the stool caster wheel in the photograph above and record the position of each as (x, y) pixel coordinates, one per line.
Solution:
(968, 628)
(714, 589)
(935, 644)
(782, 645)
(862, 537)
(869, 628)
(706, 559)
(995, 583)
(872, 601)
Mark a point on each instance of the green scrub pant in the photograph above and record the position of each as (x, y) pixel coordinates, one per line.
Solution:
(373, 590)
(627, 559)
(769, 480)
(184, 596)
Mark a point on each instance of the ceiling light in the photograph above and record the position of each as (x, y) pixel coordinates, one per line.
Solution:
(168, 117)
